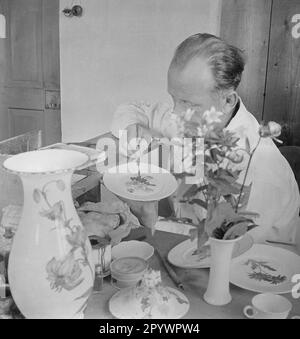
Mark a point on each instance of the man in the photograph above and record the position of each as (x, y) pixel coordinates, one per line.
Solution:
(204, 73)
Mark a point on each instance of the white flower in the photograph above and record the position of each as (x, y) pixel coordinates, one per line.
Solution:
(175, 126)
(275, 128)
(188, 164)
(188, 114)
(212, 116)
(272, 130)
(213, 167)
(202, 131)
(225, 163)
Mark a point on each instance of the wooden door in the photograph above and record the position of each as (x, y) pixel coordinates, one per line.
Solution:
(282, 102)
(32, 81)
(269, 33)
(246, 24)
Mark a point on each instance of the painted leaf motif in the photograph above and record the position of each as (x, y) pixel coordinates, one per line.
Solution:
(82, 308)
(259, 272)
(37, 196)
(85, 294)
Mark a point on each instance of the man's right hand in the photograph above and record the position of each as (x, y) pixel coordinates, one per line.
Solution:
(136, 131)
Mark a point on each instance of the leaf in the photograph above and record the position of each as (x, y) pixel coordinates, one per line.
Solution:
(216, 215)
(248, 214)
(248, 148)
(193, 190)
(199, 202)
(231, 199)
(224, 187)
(250, 227)
(228, 178)
(236, 231)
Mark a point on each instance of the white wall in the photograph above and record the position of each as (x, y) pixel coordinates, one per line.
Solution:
(120, 51)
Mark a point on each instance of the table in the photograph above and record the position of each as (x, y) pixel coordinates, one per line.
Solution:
(195, 282)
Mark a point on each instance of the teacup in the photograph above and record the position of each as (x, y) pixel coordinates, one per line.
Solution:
(268, 306)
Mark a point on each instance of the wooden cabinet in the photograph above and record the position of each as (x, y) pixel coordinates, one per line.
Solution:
(32, 80)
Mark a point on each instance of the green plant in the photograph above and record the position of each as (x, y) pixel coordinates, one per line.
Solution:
(221, 194)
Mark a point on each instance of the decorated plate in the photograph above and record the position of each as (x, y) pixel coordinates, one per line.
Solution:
(183, 255)
(150, 184)
(265, 268)
(124, 305)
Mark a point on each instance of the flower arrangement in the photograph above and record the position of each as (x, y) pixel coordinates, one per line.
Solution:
(220, 194)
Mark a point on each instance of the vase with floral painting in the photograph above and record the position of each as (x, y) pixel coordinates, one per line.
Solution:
(220, 201)
(51, 270)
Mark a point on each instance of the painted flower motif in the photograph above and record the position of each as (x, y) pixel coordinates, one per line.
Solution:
(151, 278)
(212, 116)
(77, 238)
(64, 274)
(271, 130)
(55, 212)
(60, 185)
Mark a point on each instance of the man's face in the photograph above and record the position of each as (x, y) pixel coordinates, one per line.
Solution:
(192, 87)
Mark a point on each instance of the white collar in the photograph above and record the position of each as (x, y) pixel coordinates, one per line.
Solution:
(244, 124)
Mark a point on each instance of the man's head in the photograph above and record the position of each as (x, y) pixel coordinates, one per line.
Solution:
(205, 72)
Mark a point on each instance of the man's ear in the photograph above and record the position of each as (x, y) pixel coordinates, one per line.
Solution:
(230, 100)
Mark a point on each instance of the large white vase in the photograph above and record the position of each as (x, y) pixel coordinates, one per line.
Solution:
(218, 292)
(50, 270)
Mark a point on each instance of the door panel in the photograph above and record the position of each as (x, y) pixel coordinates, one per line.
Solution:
(51, 64)
(32, 63)
(25, 41)
(22, 121)
(246, 24)
(283, 78)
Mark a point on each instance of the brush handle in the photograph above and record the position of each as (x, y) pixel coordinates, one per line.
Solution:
(172, 274)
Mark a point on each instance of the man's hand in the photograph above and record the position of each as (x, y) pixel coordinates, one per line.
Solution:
(137, 131)
(146, 212)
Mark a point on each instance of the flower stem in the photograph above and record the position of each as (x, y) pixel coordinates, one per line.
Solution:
(246, 174)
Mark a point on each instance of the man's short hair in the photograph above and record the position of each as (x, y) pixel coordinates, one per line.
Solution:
(226, 61)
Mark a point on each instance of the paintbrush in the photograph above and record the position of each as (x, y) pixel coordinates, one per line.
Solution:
(172, 274)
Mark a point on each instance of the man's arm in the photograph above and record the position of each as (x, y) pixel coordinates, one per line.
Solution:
(141, 120)
(278, 210)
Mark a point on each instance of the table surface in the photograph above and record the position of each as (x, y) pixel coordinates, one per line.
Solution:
(195, 282)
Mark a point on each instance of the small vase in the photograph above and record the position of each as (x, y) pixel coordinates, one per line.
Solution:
(217, 292)
(50, 270)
